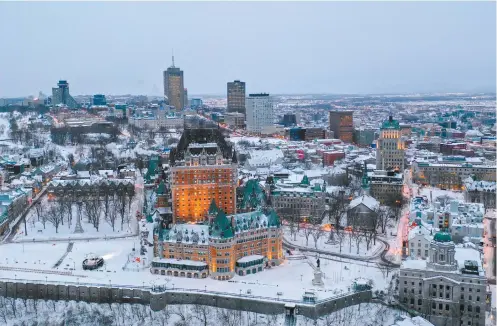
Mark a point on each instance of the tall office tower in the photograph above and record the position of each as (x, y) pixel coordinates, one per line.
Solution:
(203, 168)
(185, 99)
(390, 148)
(60, 95)
(342, 125)
(236, 96)
(174, 87)
(259, 112)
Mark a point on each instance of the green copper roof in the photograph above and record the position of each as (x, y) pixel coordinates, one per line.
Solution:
(161, 188)
(442, 237)
(316, 187)
(305, 181)
(273, 219)
(221, 226)
(390, 124)
(253, 194)
(213, 210)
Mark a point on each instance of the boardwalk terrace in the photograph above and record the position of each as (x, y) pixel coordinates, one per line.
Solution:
(203, 168)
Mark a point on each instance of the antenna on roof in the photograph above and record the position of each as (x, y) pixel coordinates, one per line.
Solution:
(173, 57)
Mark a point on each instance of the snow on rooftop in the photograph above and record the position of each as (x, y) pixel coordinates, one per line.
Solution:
(250, 258)
(367, 200)
(179, 261)
(414, 321)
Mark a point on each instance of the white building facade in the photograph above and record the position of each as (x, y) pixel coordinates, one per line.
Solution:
(449, 288)
(259, 112)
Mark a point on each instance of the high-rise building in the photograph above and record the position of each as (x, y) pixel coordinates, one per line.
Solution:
(185, 100)
(196, 103)
(390, 148)
(99, 99)
(174, 87)
(259, 112)
(342, 125)
(289, 119)
(203, 168)
(236, 96)
(60, 95)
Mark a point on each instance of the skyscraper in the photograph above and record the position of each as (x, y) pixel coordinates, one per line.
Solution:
(174, 87)
(342, 125)
(259, 112)
(203, 169)
(236, 96)
(60, 95)
(390, 148)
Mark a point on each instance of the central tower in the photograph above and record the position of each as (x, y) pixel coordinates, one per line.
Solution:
(203, 168)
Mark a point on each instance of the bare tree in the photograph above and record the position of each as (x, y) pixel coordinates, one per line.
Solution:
(53, 216)
(307, 231)
(39, 210)
(92, 210)
(183, 314)
(112, 217)
(337, 209)
(340, 236)
(382, 218)
(316, 231)
(121, 204)
(202, 314)
(358, 237)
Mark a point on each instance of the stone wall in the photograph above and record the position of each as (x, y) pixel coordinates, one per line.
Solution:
(159, 300)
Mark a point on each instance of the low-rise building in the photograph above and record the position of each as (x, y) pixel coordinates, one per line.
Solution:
(419, 239)
(362, 211)
(449, 288)
(450, 176)
(235, 119)
(385, 185)
(302, 200)
(480, 192)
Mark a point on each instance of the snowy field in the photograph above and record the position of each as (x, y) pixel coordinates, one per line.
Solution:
(293, 277)
(40, 312)
(349, 244)
(257, 140)
(436, 192)
(36, 231)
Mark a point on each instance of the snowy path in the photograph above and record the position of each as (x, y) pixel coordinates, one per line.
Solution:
(376, 254)
(68, 250)
(39, 271)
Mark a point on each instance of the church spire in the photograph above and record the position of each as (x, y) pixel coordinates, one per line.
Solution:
(365, 180)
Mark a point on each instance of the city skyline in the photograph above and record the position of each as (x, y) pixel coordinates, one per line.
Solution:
(315, 48)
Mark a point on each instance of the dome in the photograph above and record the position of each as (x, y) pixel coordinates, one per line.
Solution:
(442, 237)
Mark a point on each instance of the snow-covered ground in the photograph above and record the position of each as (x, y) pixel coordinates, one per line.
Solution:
(41, 312)
(293, 277)
(37, 232)
(348, 247)
(436, 192)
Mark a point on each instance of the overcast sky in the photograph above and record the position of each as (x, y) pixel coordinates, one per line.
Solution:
(334, 47)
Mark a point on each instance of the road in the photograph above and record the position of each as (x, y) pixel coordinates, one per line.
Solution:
(13, 229)
(379, 256)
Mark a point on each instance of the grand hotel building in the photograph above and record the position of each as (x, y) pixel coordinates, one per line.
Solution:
(203, 168)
